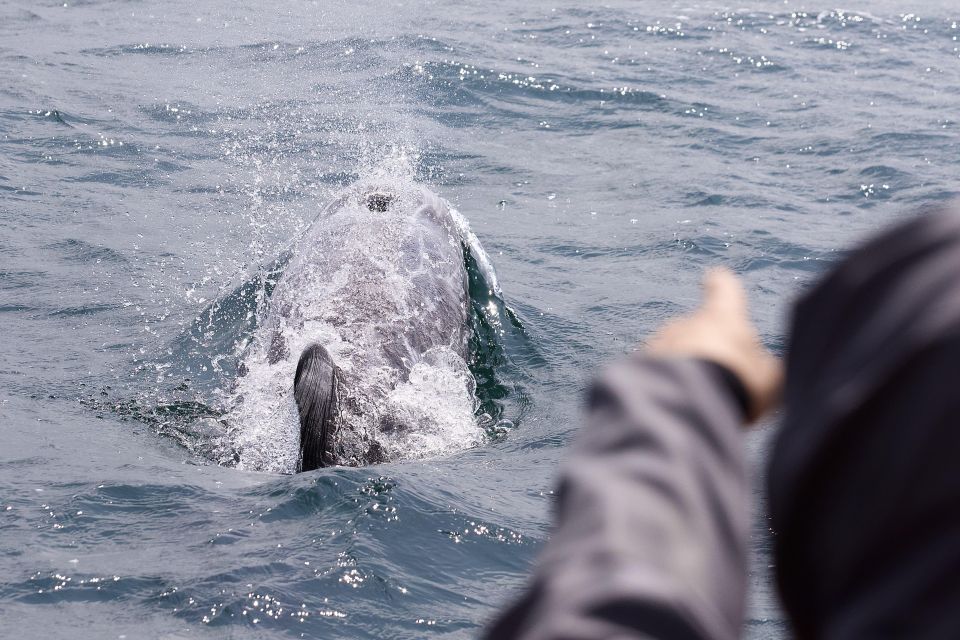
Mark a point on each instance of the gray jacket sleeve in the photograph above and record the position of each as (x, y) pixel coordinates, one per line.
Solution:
(652, 513)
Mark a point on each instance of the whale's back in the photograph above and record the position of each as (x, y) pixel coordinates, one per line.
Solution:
(379, 283)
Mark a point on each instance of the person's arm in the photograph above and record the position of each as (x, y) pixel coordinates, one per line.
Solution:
(652, 512)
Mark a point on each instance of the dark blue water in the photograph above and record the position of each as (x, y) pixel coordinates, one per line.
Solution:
(156, 161)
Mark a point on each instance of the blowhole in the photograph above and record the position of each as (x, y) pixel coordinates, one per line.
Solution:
(379, 202)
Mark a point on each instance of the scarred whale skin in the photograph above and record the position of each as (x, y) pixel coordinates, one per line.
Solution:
(371, 322)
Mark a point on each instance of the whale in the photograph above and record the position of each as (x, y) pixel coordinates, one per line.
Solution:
(367, 333)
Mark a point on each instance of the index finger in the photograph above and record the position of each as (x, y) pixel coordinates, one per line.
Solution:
(723, 292)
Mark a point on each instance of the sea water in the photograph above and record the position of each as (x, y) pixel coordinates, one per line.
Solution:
(159, 162)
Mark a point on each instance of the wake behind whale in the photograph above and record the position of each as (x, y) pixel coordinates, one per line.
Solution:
(363, 354)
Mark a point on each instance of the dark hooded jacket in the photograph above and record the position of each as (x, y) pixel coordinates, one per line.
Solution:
(864, 480)
(864, 487)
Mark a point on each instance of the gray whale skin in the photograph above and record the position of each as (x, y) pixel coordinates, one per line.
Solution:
(381, 276)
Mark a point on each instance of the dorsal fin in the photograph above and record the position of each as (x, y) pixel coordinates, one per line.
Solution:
(315, 389)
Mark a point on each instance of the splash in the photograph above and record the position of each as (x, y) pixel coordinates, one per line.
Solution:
(385, 290)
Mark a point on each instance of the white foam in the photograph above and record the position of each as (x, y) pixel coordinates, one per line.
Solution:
(433, 400)
(477, 251)
(263, 419)
(351, 266)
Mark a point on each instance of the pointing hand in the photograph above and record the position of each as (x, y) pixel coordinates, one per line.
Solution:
(720, 331)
